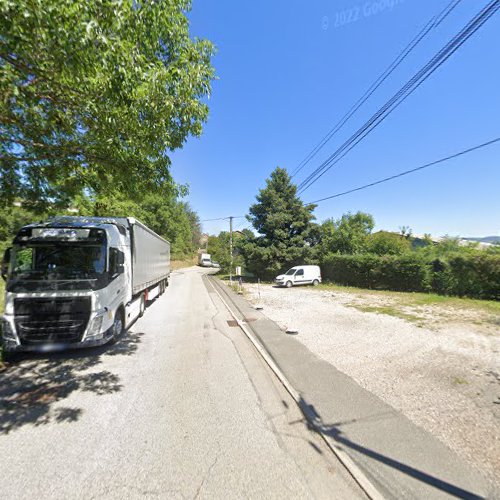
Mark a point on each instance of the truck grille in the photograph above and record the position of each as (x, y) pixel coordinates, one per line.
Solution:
(51, 320)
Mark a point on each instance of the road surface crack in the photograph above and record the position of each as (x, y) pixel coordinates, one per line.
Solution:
(207, 475)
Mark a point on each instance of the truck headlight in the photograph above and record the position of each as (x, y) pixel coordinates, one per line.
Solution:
(94, 332)
(7, 331)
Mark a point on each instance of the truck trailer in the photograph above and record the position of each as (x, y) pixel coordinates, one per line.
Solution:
(79, 281)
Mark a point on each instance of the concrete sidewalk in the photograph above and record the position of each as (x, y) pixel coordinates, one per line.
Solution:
(400, 459)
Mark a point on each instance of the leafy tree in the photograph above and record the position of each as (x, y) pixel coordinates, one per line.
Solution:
(95, 95)
(167, 216)
(386, 243)
(195, 224)
(12, 218)
(347, 235)
(218, 248)
(406, 231)
(283, 224)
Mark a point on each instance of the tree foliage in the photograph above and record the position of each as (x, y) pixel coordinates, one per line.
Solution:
(283, 224)
(219, 248)
(387, 243)
(347, 235)
(94, 95)
(169, 217)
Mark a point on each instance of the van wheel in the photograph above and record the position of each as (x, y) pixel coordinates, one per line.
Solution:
(315, 283)
(289, 284)
(142, 307)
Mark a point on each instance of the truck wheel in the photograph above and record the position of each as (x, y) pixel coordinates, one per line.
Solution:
(118, 327)
(315, 283)
(289, 284)
(142, 307)
(9, 356)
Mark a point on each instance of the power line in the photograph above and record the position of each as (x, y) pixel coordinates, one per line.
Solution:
(420, 77)
(224, 218)
(406, 172)
(442, 56)
(407, 90)
(433, 23)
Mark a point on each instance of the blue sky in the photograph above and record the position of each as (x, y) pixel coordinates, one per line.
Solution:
(289, 69)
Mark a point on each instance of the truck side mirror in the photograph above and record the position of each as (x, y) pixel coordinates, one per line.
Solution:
(6, 263)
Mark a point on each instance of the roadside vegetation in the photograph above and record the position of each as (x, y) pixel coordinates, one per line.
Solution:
(186, 262)
(351, 254)
(423, 309)
(89, 117)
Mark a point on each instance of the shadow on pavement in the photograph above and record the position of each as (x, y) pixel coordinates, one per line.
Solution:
(334, 430)
(30, 387)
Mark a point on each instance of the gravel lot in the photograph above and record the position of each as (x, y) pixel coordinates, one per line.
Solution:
(443, 374)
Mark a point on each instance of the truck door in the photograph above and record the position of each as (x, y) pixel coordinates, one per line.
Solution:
(116, 287)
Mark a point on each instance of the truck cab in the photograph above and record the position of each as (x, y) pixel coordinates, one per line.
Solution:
(68, 285)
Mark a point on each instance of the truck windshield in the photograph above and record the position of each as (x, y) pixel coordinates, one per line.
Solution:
(290, 272)
(57, 266)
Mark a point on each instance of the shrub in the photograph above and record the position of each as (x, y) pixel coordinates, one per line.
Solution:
(471, 274)
(354, 270)
(386, 243)
(476, 275)
(404, 273)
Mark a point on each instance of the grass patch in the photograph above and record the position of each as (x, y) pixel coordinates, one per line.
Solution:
(389, 311)
(186, 262)
(417, 299)
(459, 381)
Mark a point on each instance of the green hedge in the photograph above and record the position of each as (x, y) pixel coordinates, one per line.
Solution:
(472, 275)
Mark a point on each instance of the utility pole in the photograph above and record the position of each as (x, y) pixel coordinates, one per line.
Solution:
(231, 248)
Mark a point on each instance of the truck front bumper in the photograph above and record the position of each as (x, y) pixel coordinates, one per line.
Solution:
(11, 343)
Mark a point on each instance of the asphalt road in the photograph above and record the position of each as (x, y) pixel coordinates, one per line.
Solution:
(181, 407)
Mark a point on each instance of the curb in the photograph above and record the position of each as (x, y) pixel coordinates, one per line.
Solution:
(355, 472)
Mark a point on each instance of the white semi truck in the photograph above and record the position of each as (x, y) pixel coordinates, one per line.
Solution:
(204, 260)
(79, 281)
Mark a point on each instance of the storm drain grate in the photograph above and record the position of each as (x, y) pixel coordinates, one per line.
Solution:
(232, 322)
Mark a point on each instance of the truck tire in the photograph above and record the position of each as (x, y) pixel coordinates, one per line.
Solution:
(9, 356)
(315, 282)
(289, 284)
(142, 307)
(118, 326)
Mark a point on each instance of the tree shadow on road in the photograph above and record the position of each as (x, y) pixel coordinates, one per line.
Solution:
(31, 387)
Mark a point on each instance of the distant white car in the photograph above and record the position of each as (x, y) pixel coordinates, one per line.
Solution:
(216, 265)
(300, 275)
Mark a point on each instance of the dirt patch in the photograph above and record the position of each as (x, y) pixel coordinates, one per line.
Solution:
(438, 363)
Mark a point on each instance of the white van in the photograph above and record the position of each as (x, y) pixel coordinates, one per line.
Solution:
(300, 275)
